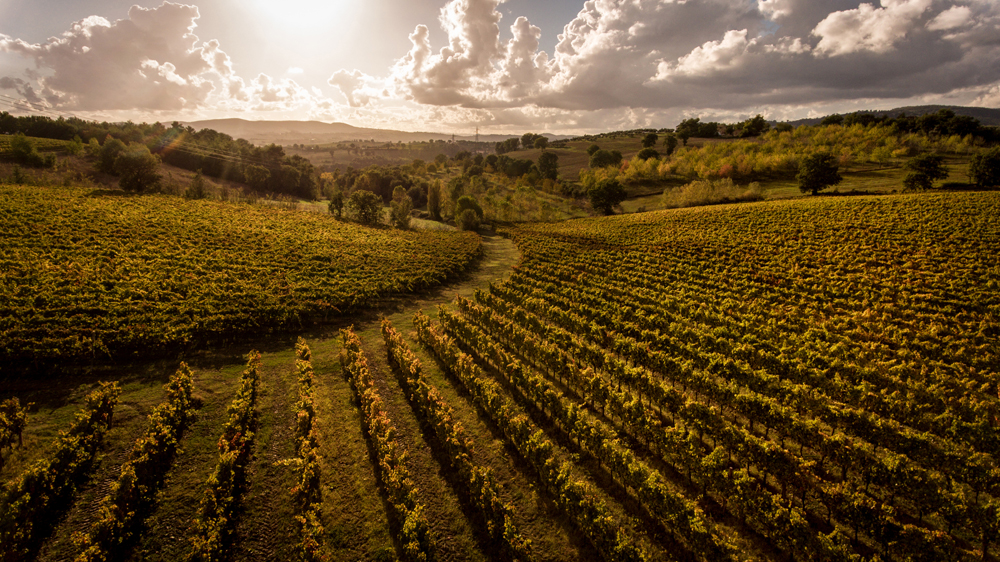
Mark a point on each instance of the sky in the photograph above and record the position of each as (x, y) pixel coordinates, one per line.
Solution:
(504, 66)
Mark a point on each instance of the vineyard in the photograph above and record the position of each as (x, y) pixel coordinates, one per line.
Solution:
(87, 274)
(791, 380)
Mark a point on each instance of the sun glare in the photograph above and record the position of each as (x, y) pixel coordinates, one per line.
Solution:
(305, 13)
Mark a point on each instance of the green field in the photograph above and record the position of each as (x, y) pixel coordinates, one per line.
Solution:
(809, 378)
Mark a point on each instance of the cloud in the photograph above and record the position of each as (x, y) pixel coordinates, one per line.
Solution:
(295, 70)
(867, 28)
(149, 62)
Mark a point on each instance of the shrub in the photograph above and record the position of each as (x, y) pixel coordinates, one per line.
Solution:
(366, 207)
(984, 168)
(604, 158)
(137, 168)
(707, 192)
(468, 220)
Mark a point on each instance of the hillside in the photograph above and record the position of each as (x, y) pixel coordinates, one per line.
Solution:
(987, 116)
(809, 378)
(315, 132)
(152, 273)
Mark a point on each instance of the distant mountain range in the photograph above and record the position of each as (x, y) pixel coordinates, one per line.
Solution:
(316, 132)
(985, 115)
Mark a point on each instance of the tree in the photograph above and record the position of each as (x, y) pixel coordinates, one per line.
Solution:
(604, 158)
(434, 200)
(647, 153)
(366, 207)
(592, 149)
(24, 152)
(136, 168)
(401, 212)
(670, 143)
(337, 203)
(605, 194)
(984, 168)
(109, 153)
(541, 142)
(650, 140)
(548, 165)
(818, 172)
(755, 126)
(924, 170)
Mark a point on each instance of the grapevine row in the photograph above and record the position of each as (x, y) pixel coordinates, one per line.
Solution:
(122, 511)
(576, 499)
(408, 511)
(480, 487)
(307, 493)
(215, 523)
(37, 497)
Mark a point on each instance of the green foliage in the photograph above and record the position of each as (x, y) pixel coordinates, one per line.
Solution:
(605, 194)
(108, 155)
(592, 149)
(647, 153)
(650, 140)
(984, 168)
(818, 172)
(468, 219)
(197, 188)
(214, 526)
(336, 205)
(924, 170)
(434, 200)
(468, 202)
(365, 207)
(400, 212)
(22, 150)
(670, 143)
(548, 165)
(604, 158)
(137, 169)
(541, 143)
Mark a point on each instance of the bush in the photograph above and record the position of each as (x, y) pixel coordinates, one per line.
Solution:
(366, 207)
(418, 194)
(137, 168)
(467, 202)
(984, 168)
(24, 152)
(593, 148)
(468, 220)
(197, 188)
(709, 192)
(647, 153)
(650, 140)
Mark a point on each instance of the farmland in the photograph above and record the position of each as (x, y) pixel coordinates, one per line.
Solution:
(93, 274)
(796, 379)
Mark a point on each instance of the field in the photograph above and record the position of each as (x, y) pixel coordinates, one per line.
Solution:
(811, 379)
(103, 275)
